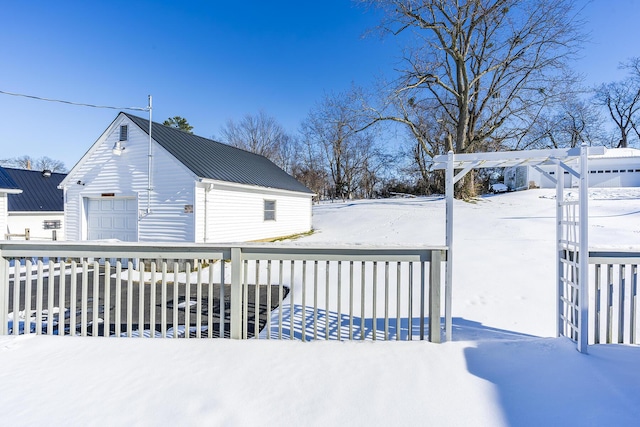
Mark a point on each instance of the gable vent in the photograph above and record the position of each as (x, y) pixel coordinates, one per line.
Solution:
(124, 132)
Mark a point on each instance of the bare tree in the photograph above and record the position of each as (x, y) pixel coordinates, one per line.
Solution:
(261, 134)
(483, 64)
(287, 155)
(40, 163)
(308, 168)
(349, 155)
(571, 123)
(622, 100)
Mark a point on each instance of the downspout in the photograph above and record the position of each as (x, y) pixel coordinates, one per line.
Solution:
(207, 189)
(150, 160)
(206, 208)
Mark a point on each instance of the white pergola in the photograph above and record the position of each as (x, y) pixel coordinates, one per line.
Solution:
(571, 226)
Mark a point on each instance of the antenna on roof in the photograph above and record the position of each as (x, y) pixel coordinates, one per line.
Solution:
(150, 158)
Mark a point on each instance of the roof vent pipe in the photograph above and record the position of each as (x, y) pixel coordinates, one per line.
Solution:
(46, 173)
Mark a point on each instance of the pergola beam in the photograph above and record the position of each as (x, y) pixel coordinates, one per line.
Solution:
(545, 173)
(502, 159)
(568, 168)
(465, 171)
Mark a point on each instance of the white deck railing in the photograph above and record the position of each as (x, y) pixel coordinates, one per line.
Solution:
(614, 296)
(253, 290)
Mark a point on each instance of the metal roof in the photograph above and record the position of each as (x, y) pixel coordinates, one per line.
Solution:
(7, 183)
(40, 193)
(502, 159)
(214, 160)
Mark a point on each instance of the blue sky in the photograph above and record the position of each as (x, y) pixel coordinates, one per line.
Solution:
(209, 61)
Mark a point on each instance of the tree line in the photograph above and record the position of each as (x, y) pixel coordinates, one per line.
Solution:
(473, 76)
(31, 163)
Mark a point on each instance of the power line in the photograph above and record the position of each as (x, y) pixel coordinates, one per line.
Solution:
(74, 103)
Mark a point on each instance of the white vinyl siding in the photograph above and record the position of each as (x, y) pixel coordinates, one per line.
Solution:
(126, 176)
(34, 221)
(3, 215)
(237, 215)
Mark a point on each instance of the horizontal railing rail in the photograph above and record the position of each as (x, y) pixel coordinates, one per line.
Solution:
(264, 291)
(614, 296)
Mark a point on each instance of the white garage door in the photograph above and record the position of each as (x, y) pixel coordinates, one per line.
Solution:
(112, 218)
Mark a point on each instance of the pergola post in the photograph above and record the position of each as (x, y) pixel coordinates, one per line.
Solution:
(449, 183)
(583, 256)
(559, 180)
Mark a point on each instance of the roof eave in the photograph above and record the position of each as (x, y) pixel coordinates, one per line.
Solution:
(10, 190)
(252, 186)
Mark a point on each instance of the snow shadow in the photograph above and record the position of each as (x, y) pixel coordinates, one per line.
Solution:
(546, 381)
(468, 330)
(320, 324)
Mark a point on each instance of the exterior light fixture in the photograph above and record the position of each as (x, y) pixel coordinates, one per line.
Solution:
(117, 149)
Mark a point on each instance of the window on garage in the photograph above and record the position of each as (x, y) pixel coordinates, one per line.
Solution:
(269, 210)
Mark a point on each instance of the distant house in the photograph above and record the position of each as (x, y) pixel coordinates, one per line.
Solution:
(40, 206)
(618, 167)
(7, 186)
(178, 187)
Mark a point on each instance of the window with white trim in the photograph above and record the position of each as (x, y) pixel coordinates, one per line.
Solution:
(269, 210)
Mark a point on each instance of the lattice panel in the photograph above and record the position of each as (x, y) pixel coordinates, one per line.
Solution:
(569, 286)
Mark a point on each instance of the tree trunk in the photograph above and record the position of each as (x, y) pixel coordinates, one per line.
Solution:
(466, 187)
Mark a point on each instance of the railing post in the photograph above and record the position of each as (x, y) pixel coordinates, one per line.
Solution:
(435, 272)
(583, 259)
(4, 295)
(236, 293)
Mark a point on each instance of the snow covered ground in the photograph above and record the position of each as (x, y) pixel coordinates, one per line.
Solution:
(503, 368)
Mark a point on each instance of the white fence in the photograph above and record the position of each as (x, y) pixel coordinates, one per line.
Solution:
(613, 296)
(263, 291)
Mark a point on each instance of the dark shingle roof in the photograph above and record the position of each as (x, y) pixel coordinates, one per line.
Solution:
(214, 160)
(39, 193)
(6, 183)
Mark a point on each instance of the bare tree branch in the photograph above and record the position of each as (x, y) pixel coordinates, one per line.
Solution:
(483, 66)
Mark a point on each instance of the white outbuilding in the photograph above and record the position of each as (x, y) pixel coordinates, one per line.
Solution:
(38, 212)
(617, 167)
(7, 186)
(155, 183)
